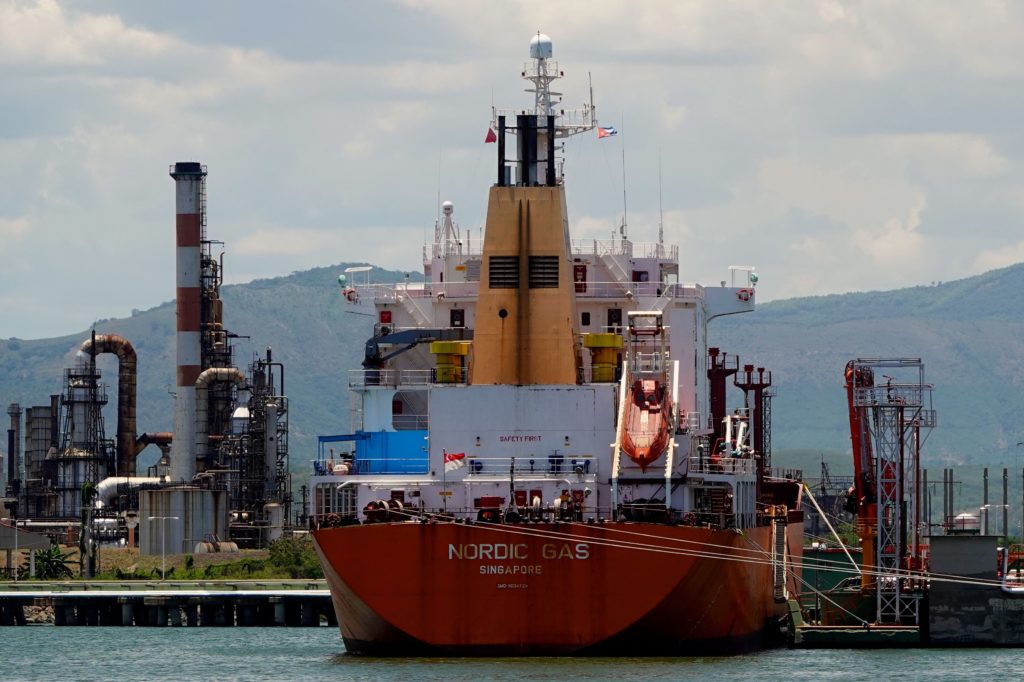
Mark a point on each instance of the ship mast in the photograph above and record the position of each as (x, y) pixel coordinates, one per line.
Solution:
(541, 71)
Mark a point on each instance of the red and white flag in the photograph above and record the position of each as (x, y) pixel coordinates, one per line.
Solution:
(491, 137)
(454, 460)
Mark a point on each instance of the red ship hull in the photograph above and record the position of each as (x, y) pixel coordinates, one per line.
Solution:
(552, 588)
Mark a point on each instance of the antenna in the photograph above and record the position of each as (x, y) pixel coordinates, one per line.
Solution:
(661, 213)
(625, 222)
(593, 109)
(438, 204)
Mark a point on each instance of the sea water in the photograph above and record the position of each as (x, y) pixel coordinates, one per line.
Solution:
(120, 653)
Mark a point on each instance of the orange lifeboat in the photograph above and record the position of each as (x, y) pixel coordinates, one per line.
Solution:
(647, 422)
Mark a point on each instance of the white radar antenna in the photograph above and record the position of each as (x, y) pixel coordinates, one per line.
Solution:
(541, 71)
(446, 234)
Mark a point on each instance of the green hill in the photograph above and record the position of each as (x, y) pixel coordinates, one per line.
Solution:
(300, 316)
(969, 334)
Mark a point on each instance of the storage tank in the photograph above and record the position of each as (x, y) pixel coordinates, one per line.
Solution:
(187, 514)
(966, 522)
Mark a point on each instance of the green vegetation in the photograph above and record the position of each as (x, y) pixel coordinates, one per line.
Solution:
(51, 564)
(296, 556)
(969, 333)
(301, 316)
(289, 558)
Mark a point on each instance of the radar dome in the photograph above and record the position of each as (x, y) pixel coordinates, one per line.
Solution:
(448, 207)
(540, 47)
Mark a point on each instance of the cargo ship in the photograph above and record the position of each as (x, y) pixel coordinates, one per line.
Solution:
(544, 457)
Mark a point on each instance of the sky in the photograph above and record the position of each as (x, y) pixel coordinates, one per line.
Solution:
(837, 146)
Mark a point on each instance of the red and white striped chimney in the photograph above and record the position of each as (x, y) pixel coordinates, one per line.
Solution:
(189, 179)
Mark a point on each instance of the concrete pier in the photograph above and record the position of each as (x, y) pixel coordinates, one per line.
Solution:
(299, 603)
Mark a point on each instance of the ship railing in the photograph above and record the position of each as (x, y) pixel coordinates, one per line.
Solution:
(647, 363)
(656, 290)
(392, 293)
(656, 250)
(362, 465)
(602, 247)
(585, 373)
(394, 378)
(410, 422)
(558, 464)
(378, 293)
(894, 395)
(624, 247)
(383, 329)
(359, 378)
(722, 465)
(787, 474)
(579, 119)
(439, 250)
(440, 290)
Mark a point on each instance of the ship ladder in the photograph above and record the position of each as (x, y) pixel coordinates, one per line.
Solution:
(779, 558)
(673, 426)
(620, 429)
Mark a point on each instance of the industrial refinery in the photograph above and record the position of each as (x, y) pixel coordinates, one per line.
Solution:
(221, 481)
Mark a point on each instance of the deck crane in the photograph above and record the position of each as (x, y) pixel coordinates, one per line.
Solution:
(886, 420)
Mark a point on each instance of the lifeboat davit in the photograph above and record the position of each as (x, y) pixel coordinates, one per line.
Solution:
(647, 422)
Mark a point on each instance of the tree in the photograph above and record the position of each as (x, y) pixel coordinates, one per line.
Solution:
(51, 564)
(296, 556)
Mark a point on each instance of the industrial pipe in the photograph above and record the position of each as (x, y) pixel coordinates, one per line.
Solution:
(14, 444)
(127, 369)
(158, 438)
(226, 374)
(107, 488)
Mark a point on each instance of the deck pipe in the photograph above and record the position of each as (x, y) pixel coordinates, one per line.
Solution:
(189, 181)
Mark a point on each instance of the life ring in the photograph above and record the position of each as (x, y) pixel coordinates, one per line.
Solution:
(745, 294)
(351, 295)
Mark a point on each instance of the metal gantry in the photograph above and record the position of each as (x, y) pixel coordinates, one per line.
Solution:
(894, 409)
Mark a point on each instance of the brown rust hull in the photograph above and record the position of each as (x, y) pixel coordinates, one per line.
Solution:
(551, 588)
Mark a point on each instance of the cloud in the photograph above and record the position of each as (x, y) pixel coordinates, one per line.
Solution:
(44, 32)
(794, 136)
(14, 228)
(289, 242)
(1010, 254)
(899, 244)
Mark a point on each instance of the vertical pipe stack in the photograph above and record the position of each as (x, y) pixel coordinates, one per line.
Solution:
(189, 178)
(1006, 503)
(984, 501)
(14, 443)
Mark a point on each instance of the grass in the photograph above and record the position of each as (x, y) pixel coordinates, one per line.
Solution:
(287, 558)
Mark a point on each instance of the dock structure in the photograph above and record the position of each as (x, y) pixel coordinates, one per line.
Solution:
(289, 603)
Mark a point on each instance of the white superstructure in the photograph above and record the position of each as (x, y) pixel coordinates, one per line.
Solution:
(425, 438)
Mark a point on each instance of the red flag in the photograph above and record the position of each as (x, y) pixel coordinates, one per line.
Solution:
(491, 137)
(454, 460)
